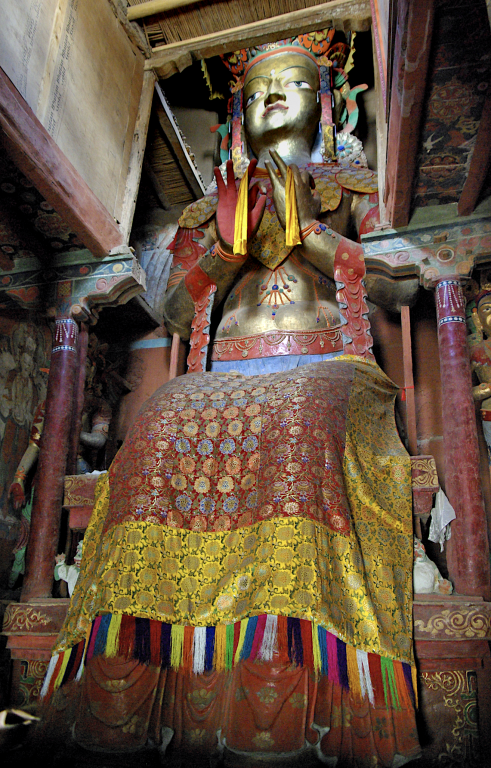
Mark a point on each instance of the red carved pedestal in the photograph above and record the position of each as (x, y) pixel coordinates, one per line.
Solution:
(48, 497)
(31, 630)
(468, 551)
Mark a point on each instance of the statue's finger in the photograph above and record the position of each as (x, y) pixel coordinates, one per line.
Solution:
(273, 176)
(258, 210)
(253, 193)
(230, 175)
(220, 182)
(251, 168)
(282, 166)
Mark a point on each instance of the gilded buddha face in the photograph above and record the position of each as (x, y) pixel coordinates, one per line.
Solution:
(280, 103)
(484, 314)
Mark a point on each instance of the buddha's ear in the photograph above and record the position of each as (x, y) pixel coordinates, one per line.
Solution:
(476, 320)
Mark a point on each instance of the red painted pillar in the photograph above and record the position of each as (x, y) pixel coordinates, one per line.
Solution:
(468, 549)
(48, 495)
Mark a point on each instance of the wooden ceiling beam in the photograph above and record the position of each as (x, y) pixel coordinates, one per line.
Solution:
(414, 27)
(38, 157)
(170, 130)
(341, 14)
(150, 8)
(481, 158)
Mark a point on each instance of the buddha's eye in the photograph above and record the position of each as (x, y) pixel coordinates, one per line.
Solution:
(254, 97)
(299, 84)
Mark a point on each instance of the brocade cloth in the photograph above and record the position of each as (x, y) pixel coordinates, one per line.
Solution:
(234, 496)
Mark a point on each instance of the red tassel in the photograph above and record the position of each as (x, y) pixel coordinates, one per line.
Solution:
(308, 652)
(187, 649)
(376, 676)
(127, 636)
(258, 636)
(236, 636)
(155, 635)
(283, 639)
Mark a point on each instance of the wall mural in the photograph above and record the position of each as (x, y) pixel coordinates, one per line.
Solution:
(25, 346)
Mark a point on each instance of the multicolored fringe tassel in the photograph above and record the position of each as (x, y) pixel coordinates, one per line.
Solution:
(384, 682)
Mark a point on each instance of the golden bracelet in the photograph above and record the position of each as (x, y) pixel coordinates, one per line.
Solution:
(316, 227)
(230, 257)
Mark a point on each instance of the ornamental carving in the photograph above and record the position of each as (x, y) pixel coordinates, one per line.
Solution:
(468, 622)
(453, 694)
(423, 472)
(23, 618)
(79, 490)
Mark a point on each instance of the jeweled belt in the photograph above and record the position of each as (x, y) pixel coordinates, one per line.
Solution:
(275, 343)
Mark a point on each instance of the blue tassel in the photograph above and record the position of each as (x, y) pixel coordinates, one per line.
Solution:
(249, 637)
(322, 634)
(101, 639)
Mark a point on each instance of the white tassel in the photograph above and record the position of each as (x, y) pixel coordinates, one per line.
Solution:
(365, 679)
(269, 644)
(49, 675)
(81, 667)
(199, 649)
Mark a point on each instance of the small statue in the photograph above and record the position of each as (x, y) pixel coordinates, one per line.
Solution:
(69, 573)
(427, 579)
(17, 492)
(480, 354)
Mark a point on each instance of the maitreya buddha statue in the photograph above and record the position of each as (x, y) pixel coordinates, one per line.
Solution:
(246, 584)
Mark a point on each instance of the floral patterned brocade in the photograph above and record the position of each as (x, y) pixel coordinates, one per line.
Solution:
(285, 494)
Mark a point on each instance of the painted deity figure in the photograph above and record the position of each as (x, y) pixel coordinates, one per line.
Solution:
(245, 590)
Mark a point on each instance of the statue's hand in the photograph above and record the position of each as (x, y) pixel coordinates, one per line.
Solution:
(227, 203)
(17, 493)
(481, 392)
(307, 197)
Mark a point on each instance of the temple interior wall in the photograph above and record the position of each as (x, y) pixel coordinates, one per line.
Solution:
(82, 77)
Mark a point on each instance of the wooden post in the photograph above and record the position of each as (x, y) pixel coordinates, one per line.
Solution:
(480, 160)
(409, 382)
(48, 493)
(468, 549)
(136, 156)
(412, 50)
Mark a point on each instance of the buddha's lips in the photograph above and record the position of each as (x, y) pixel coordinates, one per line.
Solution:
(277, 105)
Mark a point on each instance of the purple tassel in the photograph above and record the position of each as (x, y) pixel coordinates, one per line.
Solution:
(409, 681)
(141, 650)
(210, 648)
(295, 646)
(71, 662)
(165, 645)
(342, 664)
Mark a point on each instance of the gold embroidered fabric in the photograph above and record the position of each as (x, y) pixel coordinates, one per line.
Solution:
(319, 529)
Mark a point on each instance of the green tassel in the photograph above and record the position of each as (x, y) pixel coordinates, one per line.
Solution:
(229, 647)
(388, 676)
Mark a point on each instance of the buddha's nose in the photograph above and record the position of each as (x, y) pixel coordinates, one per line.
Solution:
(274, 93)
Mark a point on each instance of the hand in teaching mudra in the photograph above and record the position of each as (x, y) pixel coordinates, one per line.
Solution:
(307, 197)
(227, 205)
